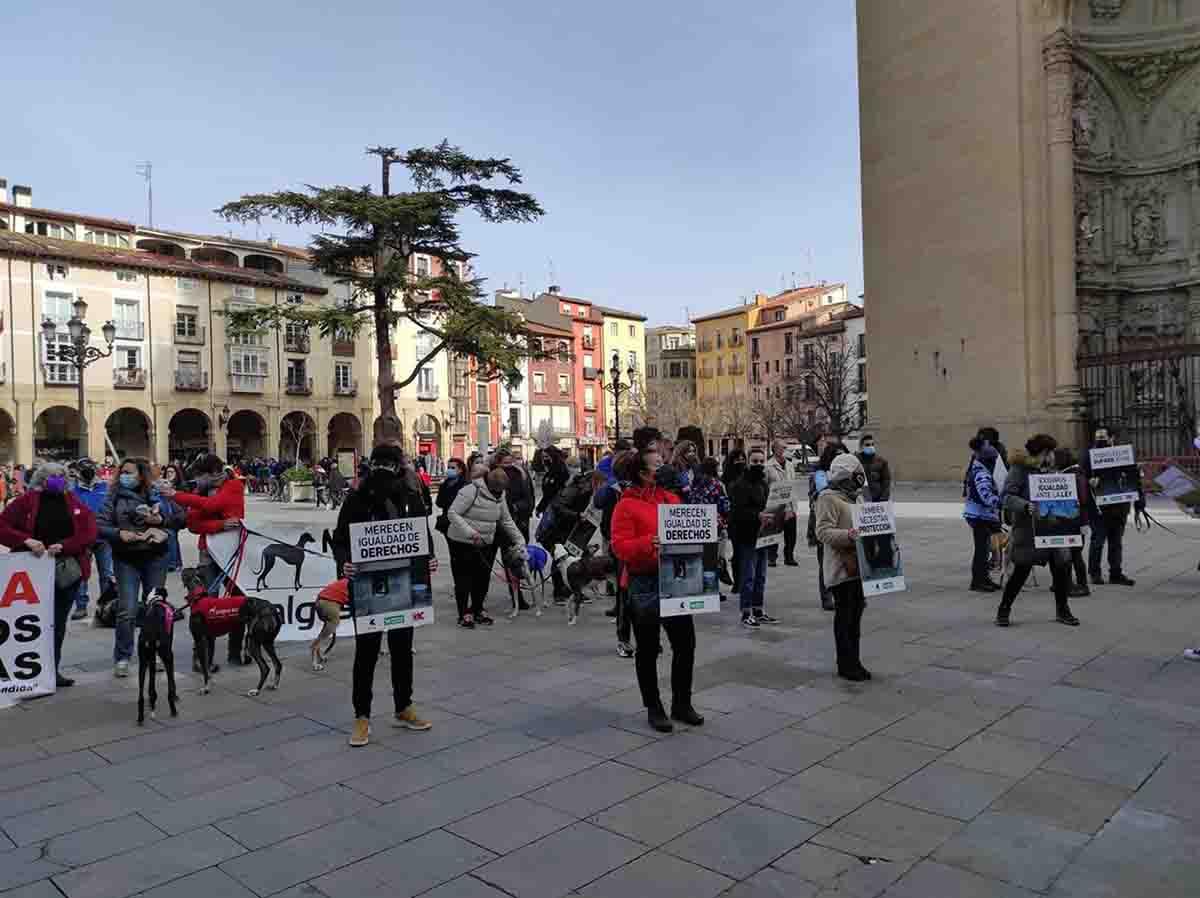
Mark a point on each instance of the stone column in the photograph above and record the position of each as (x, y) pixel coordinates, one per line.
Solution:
(25, 419)
(1060, 181)
(1193, 323)
(160, 438)
(1192, 176)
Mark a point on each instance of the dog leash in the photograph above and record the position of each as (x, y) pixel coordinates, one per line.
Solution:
(1149, 522)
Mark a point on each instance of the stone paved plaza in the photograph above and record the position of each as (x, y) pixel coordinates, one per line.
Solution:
(1039, 760)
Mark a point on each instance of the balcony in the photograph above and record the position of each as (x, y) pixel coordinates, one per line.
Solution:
(297, 343)
(428, 391)
(3, 371)
(247, 383)
(343, 347)
(129, 378)
(195, 338)
(588, 342)
(130, 330)
(299, 386)
(591, 373)
(345, 389)
(188, 380)
(60, 374)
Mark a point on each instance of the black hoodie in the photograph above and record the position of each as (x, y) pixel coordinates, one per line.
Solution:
(748, 496)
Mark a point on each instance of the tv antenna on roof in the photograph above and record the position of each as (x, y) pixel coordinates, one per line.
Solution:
(146, 170)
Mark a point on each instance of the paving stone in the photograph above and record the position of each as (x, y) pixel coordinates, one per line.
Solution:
(734, 777)
(883, 758)
(138, 870)
(89, 737)
(83, 846)
(899, 827)
(154, 743)
(185, 783)
(803, 701)
(1003, 755)
(307, 856)
(560, 863)
(341, 767)
(847, 722)
(820, 794)
(943, 788)
(19, 866)
(746, 725)
(1073, 700)
(546, 765)
(857, 872)
(771, 882)
(406, 776)
(1063, 801)
(272, 824)
(1173, 790)
(83, 812)
(407, 869)
(935, 728)
(685, 750)
(18, 776)
(210, 883)
(1126, 763)
(553, 727)
(467, 757)
(416, 814)
(16, 802)
(789, 751)
(595, 789)
(606, 742)
(511, 824)
(244, 743)
(929, 878)
(466, 887)
(742, 840)
(443, 735)
(153, 767)
(1017, 849)
(1055, 727)
(41, 889)
(658, 875)
(208, 807)
(662, 813)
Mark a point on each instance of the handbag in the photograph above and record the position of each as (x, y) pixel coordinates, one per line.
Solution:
(67, 572)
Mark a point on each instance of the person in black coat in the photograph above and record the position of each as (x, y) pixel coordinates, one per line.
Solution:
(1109, 522)
(519, 491)
(556, 477)
(388, 492)
(748, 500)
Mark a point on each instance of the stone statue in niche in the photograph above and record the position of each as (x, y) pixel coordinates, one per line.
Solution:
(1095, 129)
(1146, 203)
(1106, 10)
(1144, 231)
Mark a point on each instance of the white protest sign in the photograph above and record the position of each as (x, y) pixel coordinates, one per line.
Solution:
(1116, 469)
(687, 560)
(682, 524)
(780, 498)
(26, 627)
(381, 541)
(1111, 457)
(880, 566)
(1056, 525)
(874, 519)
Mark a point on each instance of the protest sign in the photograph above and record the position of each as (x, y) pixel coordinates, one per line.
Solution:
(780, 499)
(687, 560)
(26, 627)
(388, 541)
(1056, 525)
(879, 560)
(585, 531)
(391, 590)
(1115, 468)
(1181, 486)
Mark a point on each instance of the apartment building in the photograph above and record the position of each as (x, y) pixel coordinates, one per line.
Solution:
(624, 344)
(585, 382)
(777, 325)
(669, 399)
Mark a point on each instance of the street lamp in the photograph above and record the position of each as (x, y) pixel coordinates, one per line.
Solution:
(79, 353)
(617, 389)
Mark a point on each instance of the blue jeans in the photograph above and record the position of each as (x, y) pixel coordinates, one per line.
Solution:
(753, 578)
(174, 559)
(135, 579)
(102, 555)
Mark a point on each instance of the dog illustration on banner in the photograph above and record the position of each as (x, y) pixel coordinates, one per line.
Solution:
(293, 555)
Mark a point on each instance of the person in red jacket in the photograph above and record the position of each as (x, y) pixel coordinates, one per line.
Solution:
(48, 520)
(218, 504)
(635, 544)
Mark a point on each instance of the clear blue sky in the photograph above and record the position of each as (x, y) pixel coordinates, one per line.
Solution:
(687, 154)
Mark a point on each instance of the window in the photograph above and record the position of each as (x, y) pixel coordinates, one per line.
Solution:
(106, 238)
(127, 316)
(514, 422)
(589, 426)
(787, 367)
(57, 306)
(55, 271)
(426, 382)
(718, 339)
(565, 308)
(562, 350)
(614, 328)
(535, 344)
(862, 413)
(686, 369)
(787, 344)
(187, 322)
(188, 361)
(254, 339)
(587, 361)
(810, 388)
(754, 373)
(294, 334)
(862, 379)
(564, 384)
(754, 347)
(423, 266)
(862, 346)
(671, 342)
(50, 229)
(587, 335)
(247, 369)
(295, 298)
(128, 357)
(481, 398)
(242, 292)
(633, 330)
(652, 372)
(128, 277)
(735, 337)
(297, 373)
(633, 359)
(343, 377)
(589, 397)
(777, 366)
(779, 314)
(539, 382)
(57, 371)
(808, 355)
(561, 418)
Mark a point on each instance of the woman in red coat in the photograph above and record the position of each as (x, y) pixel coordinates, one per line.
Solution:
(48, 520)
(635, 543)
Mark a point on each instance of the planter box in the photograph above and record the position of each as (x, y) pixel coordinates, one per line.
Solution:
(301, 492)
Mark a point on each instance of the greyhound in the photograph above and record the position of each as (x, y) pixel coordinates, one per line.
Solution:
(156, 619)
(293, 555)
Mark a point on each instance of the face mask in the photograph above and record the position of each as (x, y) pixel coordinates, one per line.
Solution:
(129, 481)
(451, 473)
(56, 484)
(820, 480)
(868, 451)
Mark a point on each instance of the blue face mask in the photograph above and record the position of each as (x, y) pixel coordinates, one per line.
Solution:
(451, 473)
(129, 481)
(868, 451)
(820, 480)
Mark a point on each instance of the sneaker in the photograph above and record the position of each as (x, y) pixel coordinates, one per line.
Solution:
(687, 715)
(866, 673)
(763, 618)
(772, 563)
(79, 614)
(408, 720)
(1192, 654)
(749, 620)
(624, 650)
(1120, 580)
(792, 562)
(484, 619)
(1002, 617)
(1066, 617)
(854, 676)
(1079, 591)
(985, 586)
(361, 734)
(467, 622)
(62, 682)
(122, 669)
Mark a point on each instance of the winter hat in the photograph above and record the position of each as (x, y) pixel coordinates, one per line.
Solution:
(844, 467)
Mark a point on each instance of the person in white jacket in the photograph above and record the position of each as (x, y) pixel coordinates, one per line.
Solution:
(480, 523)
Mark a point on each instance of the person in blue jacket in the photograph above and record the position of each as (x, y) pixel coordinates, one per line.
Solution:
(92, 492)
(981, 510)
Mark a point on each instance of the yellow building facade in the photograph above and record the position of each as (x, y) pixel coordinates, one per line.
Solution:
(624, 336)
(721, 355)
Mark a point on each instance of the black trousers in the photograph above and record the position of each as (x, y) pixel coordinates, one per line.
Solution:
(849, 603)
(624, 618)
(789, 542)
(822, 589)
(1080, 568)
(1060, 578)
(64, 601)
(366, 656)
(1107, 529)
(981, 533)
(463, 561)
(681, 633)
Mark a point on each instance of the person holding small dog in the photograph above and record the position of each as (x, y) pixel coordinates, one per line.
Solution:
(135, 524)
(384, 495)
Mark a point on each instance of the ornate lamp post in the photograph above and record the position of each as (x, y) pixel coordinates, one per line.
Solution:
(617, 389)
(79, 353)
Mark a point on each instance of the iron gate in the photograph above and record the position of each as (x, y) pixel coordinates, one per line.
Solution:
(1148, 394)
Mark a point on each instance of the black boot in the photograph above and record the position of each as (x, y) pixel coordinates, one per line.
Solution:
(1063, 614)
(657, 718)
(1002, 612)
(985, 586)
(686, 714)
(1119, 579)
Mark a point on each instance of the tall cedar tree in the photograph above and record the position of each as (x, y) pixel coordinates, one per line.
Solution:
(374, 236)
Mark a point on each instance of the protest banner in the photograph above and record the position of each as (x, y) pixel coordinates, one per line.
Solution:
(1119, 478)
(26, 627)
(880, 564)
(780, 500)
(687, 560)
(1182, 487)
(390, 587)
(1056, 524)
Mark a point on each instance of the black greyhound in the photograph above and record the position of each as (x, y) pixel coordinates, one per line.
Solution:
(156, 620)
(293, 555)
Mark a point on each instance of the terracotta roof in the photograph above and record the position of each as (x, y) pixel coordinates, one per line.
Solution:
(28, 246)
(746, 307)
(536, 312)
(535, 328)
(111, 224)
(619, 313)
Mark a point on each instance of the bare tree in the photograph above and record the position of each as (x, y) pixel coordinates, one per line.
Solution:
(739, 420)
(827, 383)
(297, 427)
(665, 406)
(769, 412)
(544, 436)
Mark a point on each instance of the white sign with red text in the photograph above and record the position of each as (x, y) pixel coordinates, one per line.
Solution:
(26, 627)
